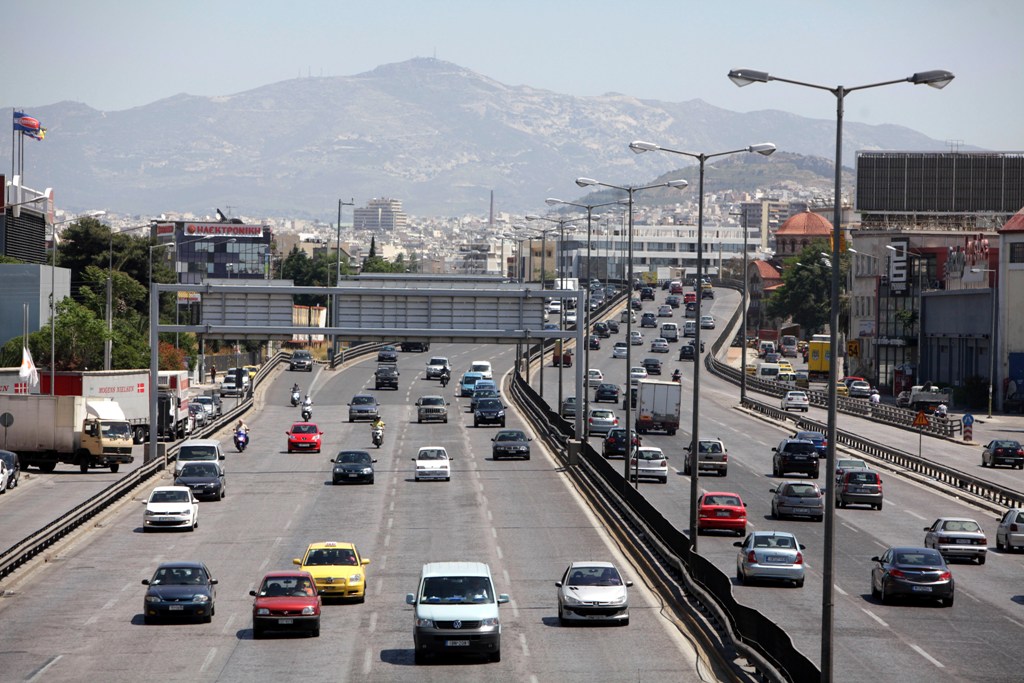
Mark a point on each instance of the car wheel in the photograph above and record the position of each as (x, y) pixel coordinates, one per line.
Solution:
(879, 507)
(419, 657)
(814, 474)
(885, 599)
(315, 633)
(257, 633)
(981, 559)
(740, 576)
(475, 423)
(419, 420)
(775, 512)
(999, 544)
(874, 591)
(664, 480)
(799, 583)
(724, 471)
(983, 463)
(742, 532)
(208, 618)
(495, 656)
(947, 602)
(146, 619)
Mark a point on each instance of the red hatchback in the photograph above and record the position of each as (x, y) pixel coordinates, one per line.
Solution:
(286, 601)
(304, 436)
(722, 510)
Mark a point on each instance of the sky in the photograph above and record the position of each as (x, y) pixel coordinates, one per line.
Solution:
(113, 55)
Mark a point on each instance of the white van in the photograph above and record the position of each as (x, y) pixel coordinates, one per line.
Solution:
(670, 331)
(483, 367)
(456, 611)
(768, 371)
(690, 328)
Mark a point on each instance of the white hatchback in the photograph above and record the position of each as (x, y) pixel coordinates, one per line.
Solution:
(432, 462)
(649, 462)
(600, 420)
(594, 377)
(795, 400)
(171, 507)
(620, 349)
(636, 338)
(636, 374)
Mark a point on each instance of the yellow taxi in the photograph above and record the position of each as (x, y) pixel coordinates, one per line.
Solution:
(337, 568)
(785, 366)
(842, 390)
(251, 369)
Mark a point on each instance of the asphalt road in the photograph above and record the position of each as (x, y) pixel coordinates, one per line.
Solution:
(78, 615)
(976, 639)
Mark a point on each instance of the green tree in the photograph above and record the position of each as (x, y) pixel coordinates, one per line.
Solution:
(373, 246)
(805, 294)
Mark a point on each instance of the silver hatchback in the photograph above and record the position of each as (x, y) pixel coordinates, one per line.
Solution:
(1010, 532)
(798, 499)
(772, 555)
(862, 487)
(601, 420)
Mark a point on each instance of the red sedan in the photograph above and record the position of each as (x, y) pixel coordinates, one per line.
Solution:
(304, 436)
(722, 510)
(286, 601)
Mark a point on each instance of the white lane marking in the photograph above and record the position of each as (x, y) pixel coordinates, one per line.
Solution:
(381, 563)
(927, 656)
(373, 622)
(840, 590)
(92, 620)
(227, 624)
(1013, 621)
(504, 575)
(367, 661)
(963, 592)
(523, 645)
(874, 616)
(490, 517)
(391, 522)
(914, 514)
(494, 532)
(501, 555)
(881, 545)
(127, 586)
(851, 528)
(391, 508)
(515, 608)
(38, 674)
(263, 565)
(387, 540)
(380, 586)
(110, 603)
(209, 659)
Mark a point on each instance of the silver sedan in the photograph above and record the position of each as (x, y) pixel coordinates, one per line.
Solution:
(957, 537)
(770, 555)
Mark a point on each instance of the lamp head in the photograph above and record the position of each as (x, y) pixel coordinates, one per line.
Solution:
(551, 201)
(852, 250)
(532, 217)
(763, 148)
(586, 182)
(639, 146)
(936, 79)
(742, 77)
(677, 184)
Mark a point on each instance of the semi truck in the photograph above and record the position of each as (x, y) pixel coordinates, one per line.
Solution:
(818, 357)
(130, 388)
(657, 406)
(173, 397)
(46, 430)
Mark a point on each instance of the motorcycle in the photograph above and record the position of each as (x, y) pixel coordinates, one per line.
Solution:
(307, 412)
(296, 398)
(677, 376)
(444, 379)
(241, 440)
(377, 435)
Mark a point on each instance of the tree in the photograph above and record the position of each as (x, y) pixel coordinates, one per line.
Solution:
(805, 294)
(373, 246)
(170, 358)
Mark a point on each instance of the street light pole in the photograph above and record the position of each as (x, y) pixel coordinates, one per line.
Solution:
(337, 271)
(991, 340)
(639, 147)
(744, 77)
(629, 190)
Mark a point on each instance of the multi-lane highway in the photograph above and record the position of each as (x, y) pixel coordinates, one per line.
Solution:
(974, 640)
(78, 616)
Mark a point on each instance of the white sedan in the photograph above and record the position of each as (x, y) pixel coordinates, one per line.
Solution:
(636, 338)
(432, 462)
(659, 345)
(649, 462)
(594, 377)
(171, 507)
(636, 374)
(570, 317)
(795, 400)
(619, 350)
(593, 590)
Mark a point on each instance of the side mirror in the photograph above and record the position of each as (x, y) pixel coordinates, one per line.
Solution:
(502, 598)
(629, 584)
(253, 593)
(365, 560)
(410, 599)
(374, 460)
(214, 582)
(803, 547)
(927, 528)
(772, 490)
(558, 584)
(738, 544)
(145, 582)
(297, 561)
(876, 558)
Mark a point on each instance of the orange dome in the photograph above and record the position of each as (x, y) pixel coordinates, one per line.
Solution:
(1015, 224)
(806, 223)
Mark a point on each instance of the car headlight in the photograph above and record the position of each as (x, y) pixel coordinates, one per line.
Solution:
(570, 599)
(501, 413)
(355, 578)
(621, 600)
(424, 623)
(491, 621)
(150, 513)
(199, 597)
(367, 470)
(308, 610)
(262, 611)
(153, 598)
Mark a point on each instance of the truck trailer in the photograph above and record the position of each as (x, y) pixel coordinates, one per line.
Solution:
(47, 430)
(657, 406)
(130, 388)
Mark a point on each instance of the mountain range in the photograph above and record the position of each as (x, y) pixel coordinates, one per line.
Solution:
(437, 136)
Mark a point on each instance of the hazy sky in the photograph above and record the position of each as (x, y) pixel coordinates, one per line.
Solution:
(117, 54)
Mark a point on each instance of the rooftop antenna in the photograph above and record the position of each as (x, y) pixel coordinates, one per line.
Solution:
(955, 145)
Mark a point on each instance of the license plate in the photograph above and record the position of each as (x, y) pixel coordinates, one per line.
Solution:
(176, 608)
(922, 589)
(963, 541)
(285, 622)
(352, 476)
(776, 559)
(722, 513)
(457, 643)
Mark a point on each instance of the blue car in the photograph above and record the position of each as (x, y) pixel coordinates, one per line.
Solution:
(468, 383)
(819, 440)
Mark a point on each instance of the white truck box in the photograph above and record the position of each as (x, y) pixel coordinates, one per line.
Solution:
(657, 406)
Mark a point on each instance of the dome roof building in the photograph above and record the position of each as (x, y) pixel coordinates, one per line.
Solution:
(799, 231)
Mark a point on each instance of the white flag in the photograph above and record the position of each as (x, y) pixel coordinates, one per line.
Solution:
(28, 368)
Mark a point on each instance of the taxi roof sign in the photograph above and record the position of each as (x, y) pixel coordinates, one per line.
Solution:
(920, 420)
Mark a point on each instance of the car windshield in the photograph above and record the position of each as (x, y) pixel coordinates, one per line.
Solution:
(197, 469)
(284, 586)
(811, 436)
(919, 557)
(862, 477)
(510, 436)
(304, 429)
(301, 355)
(432, 454)
(593, 576)
(197, 453)
(851, 464)
(117, 430)
(609, 387)
(489, 404)
(800, 448)
(179, 576)
(485, 393)
(765, 541)
(354, 458)
(650, 454)
(802, 491)
(322, 557)
(710, 447)
(169, 497)
(438, 361)
(364, 401)
(456, 590)
(601, 414)
(961, 525)
(431, 401)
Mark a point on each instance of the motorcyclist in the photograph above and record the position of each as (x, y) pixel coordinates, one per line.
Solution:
(377, 423)
(307, 402)
(942, 411)
(240, 426)
(875, 397)
(677, 375)
(446, 375)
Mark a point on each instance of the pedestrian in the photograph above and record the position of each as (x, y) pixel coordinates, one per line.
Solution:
(213, 373)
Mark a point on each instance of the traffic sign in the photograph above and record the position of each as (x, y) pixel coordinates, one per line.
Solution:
(853, 348)
(968, 420)
(920, 420)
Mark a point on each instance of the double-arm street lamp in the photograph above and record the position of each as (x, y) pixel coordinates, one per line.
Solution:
(543, 266)
(766, 149)
(630, 190)
(337, 271)
(743, 77)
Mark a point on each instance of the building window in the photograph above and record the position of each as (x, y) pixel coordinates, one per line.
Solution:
(1017, 252)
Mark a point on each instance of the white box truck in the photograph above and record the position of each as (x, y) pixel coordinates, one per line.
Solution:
(46, 430)
(657, 406)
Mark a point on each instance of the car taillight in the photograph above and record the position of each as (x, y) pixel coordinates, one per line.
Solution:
(632, 462)
(799, 558)
(751, 557)
(945, 576)
(1014, 528)
(615, 421)
(879, 484)
(725, 457)
(943, 539)
(662, 463)
(898, 574)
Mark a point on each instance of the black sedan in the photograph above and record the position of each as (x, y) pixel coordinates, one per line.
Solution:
(601, 330)
(1003, 452)
(607, 392)
(387, 354)
(913, 573)
(686, 352)
(510, 443)
(615, 442)
(652, 365)
(206, 479)
(180, 590)
(489, 411)
(352, 467)
(594, 342)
